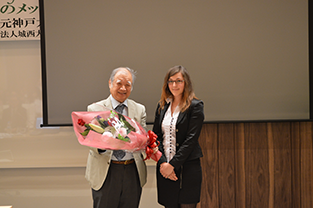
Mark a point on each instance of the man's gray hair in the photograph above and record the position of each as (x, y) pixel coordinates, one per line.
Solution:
(133, 73)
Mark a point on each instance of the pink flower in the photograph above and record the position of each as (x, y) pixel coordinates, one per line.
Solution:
(122, 132)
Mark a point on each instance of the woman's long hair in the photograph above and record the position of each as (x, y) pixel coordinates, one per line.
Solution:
(188, 93)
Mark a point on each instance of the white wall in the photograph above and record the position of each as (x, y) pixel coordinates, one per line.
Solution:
(57, 187)
(40, 167)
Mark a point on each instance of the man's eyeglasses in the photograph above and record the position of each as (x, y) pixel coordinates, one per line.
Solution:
(178, 82)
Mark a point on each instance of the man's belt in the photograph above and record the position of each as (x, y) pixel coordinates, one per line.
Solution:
(123, 162)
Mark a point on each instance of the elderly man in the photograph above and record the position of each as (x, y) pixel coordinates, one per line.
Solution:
(117, 177)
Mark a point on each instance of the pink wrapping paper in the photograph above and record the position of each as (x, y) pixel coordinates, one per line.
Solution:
(139, 140)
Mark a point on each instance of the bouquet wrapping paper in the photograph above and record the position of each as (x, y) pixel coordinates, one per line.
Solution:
(110, 130)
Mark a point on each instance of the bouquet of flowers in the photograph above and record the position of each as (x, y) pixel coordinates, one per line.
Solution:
(111, 130)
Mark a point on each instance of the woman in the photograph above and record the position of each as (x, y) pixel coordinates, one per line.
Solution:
(178, 122)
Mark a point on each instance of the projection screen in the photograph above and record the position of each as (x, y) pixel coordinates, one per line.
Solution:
(248, 60)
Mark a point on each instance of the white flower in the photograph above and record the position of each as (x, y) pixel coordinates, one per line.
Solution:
(109, 134)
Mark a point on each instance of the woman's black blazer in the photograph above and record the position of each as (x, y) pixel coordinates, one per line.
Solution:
(188, 128)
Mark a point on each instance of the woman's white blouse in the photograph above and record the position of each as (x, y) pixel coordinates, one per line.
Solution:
(169, 132)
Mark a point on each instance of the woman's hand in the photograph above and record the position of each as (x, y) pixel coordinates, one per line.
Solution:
(167, 171)
(173, 176)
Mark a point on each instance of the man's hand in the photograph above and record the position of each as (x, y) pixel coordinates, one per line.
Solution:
(155, 150)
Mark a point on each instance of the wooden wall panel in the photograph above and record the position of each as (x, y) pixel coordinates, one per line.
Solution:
(280, 185)
(257, 165)
(240, 164)
(306, 165)
(295, 165)
(209, 162)
(226, 155)
(257, 169)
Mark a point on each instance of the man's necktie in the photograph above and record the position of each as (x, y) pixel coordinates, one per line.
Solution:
(120, 108)
(119, 154)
